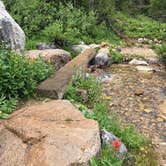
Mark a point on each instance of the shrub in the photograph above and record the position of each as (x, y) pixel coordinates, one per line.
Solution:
(89, 83)
(117, 56)
(140, 26)
(74, 25)
(19, 78)
(161, 50)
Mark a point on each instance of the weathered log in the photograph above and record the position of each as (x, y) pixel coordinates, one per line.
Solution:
(55, 86)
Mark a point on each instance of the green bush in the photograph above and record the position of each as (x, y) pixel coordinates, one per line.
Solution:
(157, 9)
(19, 78)
(117, 56)
(7, 106)
(20, 75)
(140, 26)
(74, 25)
(88, 83)
(161, 50)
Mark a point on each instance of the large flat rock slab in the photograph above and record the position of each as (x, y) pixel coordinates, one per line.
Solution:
(48, 134)
(55, 86)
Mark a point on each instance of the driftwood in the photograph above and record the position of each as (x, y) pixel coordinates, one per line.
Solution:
(55, 86)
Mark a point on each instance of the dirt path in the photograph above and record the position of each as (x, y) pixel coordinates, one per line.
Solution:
(140, 99)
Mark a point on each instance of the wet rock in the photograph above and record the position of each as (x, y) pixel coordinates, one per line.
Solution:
(138, 62)
(56, 57)
(54, 133)
(10, 32)
(108, 138)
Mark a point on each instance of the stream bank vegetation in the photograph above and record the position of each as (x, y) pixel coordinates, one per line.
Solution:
(139, 148)
(19, 77)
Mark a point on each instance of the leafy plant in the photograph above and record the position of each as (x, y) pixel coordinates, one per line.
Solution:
(7, 106)
(140, 26)
(84, 81)
(117, 56)
(19, 78)
(161, 50)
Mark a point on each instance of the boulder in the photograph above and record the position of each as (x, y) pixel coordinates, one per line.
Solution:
(57, 57)
(54, 133)
(10, 31)
(102, 59)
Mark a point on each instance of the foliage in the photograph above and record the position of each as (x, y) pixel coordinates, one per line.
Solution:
(157, 9)
(117, 56)
(131, 138)
(32, 15)
(19, 78)
(82, 80)
(7, 106)
(140, 26)
(107, 158)
(161, 50)
(74, 25)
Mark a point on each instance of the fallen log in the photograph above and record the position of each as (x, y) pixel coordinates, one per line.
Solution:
(55, 86)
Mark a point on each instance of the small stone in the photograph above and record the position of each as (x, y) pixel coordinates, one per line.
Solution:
(138, 62)
(139, 92)
(147, 110)
(104, 44)
(159, 119)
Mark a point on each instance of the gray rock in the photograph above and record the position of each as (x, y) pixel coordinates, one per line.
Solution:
(102, 59)
(107, 138)
(80, 48)
(10, 31)
(43, 46)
